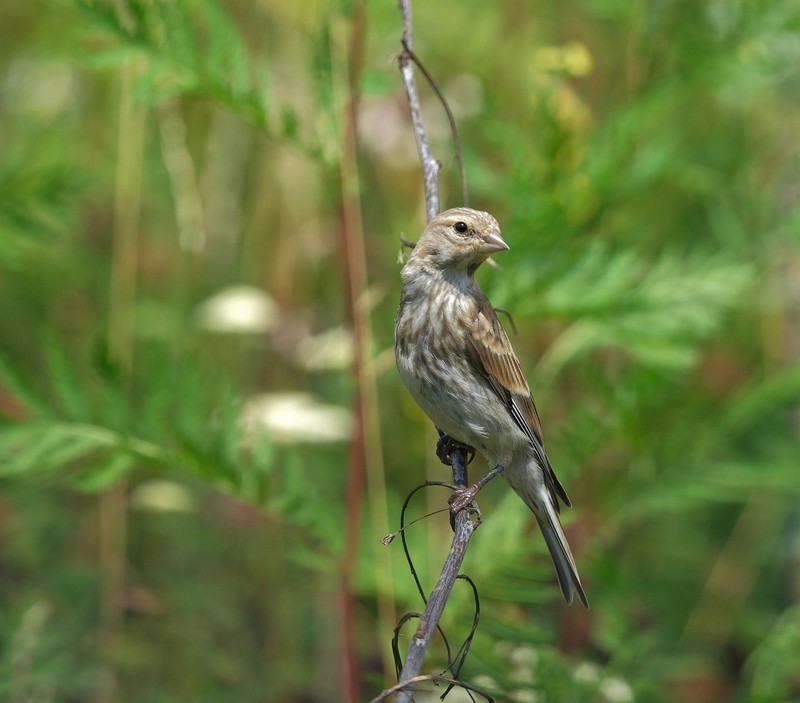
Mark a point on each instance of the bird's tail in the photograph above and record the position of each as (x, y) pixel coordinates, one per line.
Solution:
(538, 498)
(562, 557)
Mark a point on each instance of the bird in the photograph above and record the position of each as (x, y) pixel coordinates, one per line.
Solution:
(458, 364)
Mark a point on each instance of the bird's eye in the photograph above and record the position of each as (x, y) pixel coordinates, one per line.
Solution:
(460, 227)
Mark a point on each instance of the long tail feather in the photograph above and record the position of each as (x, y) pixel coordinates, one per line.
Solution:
(530, 483)
(560, 552)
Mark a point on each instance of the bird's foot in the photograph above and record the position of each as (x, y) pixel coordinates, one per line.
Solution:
(447, 445)
(464, 499)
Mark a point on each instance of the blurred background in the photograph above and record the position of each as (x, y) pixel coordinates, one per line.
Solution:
(203, 437)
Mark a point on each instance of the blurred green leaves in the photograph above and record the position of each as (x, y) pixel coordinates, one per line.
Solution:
(642, 161)
(772, 665)
(655, 312)
(37, 187)
(193, 49)
(92, 427)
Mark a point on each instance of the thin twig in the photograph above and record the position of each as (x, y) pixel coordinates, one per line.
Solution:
(398, 659)
(413, 569)
(407, 243)
(464, 526)
(505, 312)
(462, 172)
(429, 621)
(457, 664)
(406, 550)
(430, 677)
(430, 166)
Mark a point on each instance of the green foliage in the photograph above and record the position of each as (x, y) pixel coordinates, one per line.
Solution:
(774, 676)
(193, 48)
(678, 304)
(642, 162)
(36, 187)
(99, 430)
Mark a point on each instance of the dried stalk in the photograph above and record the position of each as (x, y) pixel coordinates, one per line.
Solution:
(112, 509)
(430, 166)
(366, 472)
(464, 526)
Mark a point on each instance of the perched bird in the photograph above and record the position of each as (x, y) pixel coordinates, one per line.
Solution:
(457, 363)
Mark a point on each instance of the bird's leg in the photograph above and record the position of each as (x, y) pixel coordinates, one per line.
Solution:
(447, 445)
(465, 497)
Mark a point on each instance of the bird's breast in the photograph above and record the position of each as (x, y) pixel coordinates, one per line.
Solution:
(434, 365)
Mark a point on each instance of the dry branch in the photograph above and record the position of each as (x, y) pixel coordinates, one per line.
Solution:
(428, 622)
(430, 166)
(464, 526)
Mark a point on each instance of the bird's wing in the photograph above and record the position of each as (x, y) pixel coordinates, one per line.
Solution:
(491, 353)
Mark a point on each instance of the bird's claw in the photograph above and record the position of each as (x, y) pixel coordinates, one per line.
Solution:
(447, 445)
(464, 499)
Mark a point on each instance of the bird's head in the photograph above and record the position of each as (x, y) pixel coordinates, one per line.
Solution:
(459, 238)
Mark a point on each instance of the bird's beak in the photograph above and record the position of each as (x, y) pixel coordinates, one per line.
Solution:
(493, 242)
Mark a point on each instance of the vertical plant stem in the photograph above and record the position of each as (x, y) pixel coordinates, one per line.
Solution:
(428, 622)
(113, 502)
(430, 166)
(366, 454)
(464, 527)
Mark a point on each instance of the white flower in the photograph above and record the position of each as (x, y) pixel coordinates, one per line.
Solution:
(332, 349)
(162, 496)
(525, 695)
(586, 672)
(523, 663)
(296, 417)
(238, 310)
(615, 690)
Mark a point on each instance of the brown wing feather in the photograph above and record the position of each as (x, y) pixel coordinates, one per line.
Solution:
(492, 354)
